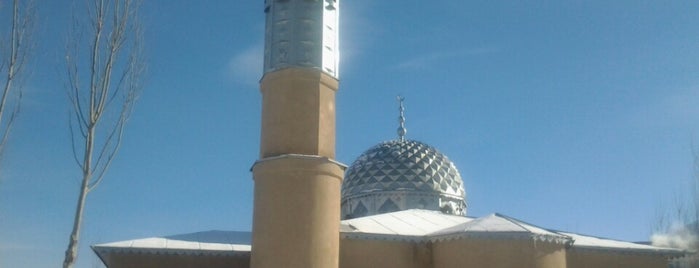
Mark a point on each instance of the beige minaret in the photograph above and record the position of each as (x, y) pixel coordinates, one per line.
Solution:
(297, 181)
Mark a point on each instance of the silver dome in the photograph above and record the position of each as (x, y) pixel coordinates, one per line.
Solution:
(398, 175)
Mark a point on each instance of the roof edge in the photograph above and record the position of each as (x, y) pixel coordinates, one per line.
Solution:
(555, 239)
(99, 250)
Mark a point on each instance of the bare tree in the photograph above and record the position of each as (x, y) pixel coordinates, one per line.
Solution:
(678, 227)
(14, 50)
(104, 68)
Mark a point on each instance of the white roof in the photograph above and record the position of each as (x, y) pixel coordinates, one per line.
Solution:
(418, 225)
(210, 242)
(406, 224)
(495, 223)
(596, 243)
(501, 226)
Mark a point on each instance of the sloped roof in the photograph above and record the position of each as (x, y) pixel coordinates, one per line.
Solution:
(420, 225)
(400, 225)
(416, 224)
(497, 225)
(586, 242)
(407, 225)
(201, 243)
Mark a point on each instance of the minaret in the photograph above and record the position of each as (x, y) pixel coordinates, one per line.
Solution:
(297, 181)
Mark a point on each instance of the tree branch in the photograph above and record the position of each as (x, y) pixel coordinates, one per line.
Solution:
(12, 65)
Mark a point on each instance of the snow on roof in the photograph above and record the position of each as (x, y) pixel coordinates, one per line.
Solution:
(208, 243)
(420, 225)
(597, 243)
(402, 225)
(406, 225)
(497, 225)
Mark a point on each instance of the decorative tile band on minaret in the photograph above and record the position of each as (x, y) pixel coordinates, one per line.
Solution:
(302, 34)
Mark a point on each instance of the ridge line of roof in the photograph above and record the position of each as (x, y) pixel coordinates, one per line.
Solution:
(514, 221)
(519, 223)
(384, 226)
(416, 226)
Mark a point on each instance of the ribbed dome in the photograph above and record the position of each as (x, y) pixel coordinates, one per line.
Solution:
(402, 174)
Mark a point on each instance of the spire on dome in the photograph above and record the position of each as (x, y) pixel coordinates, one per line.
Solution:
(401, 118)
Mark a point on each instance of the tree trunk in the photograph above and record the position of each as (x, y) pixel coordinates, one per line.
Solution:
(72, 251)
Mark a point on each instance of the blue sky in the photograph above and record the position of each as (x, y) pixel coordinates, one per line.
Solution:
(572, 115)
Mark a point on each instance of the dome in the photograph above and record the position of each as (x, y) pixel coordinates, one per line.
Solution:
(402, 174)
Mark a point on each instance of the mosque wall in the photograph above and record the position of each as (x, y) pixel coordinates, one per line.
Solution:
(466, 253)
(175, 261)
(355, 253)
(610, 259)
(498, 253)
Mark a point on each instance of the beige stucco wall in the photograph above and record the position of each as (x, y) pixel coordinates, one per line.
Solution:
(298, 113)
(384, 254)
(607, 259)
(133, 260)
(296, 212)
(491, 253)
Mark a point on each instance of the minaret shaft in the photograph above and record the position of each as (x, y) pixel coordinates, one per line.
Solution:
(297, 183)
(298, 113)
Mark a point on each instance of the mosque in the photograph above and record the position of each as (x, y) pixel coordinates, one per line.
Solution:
(401, 203)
